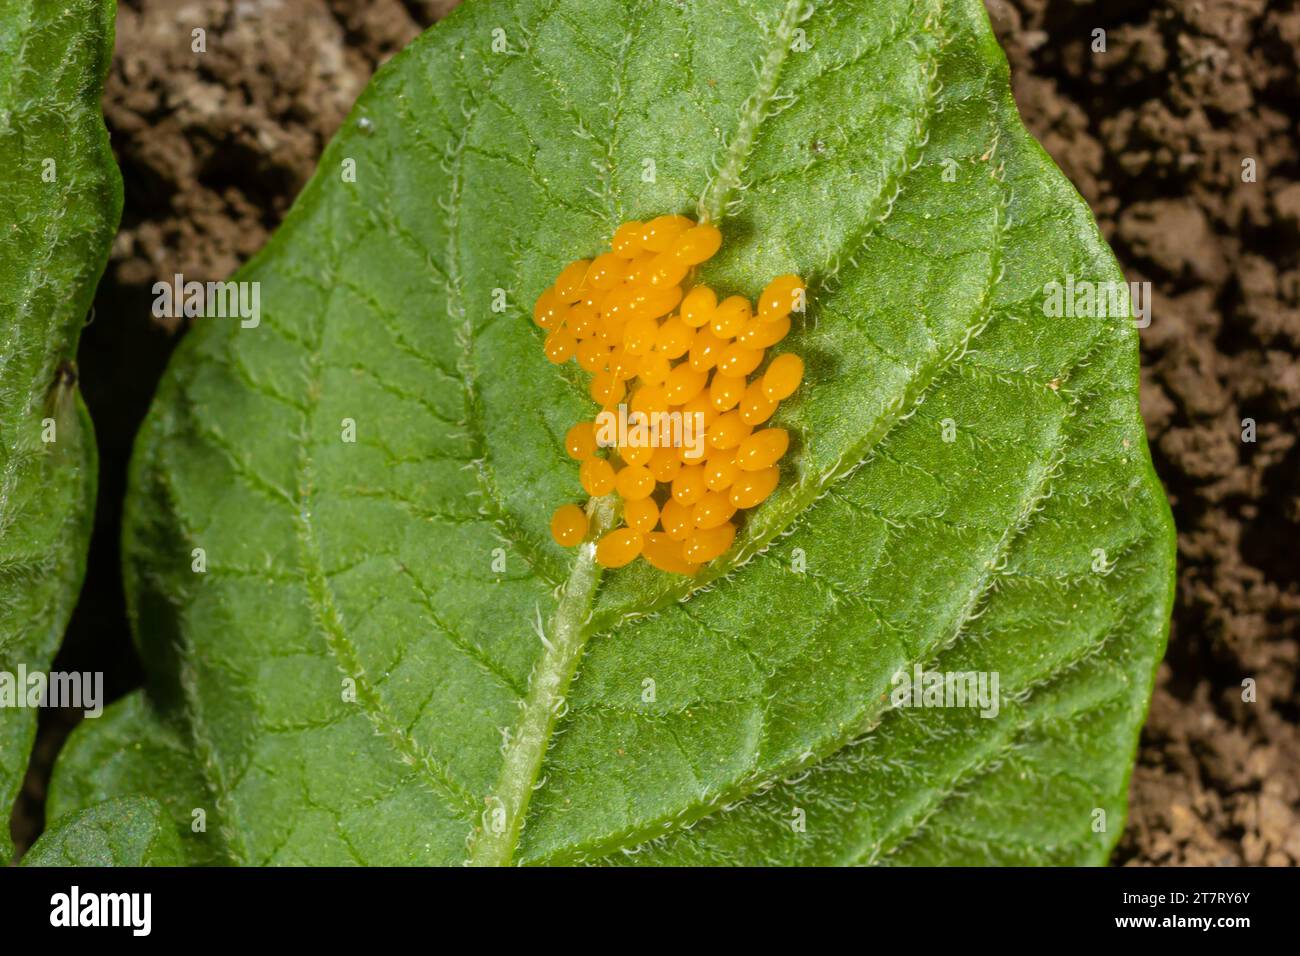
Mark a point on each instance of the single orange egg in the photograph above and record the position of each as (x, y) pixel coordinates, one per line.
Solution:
(596, 476)
(738, 360)
(627, 239)
(698, 306)
(728, 431)
(593, 355)
(664, 464)
(661, 233)
(706, 349)
(720, 469)
(617, 304)
(658, 301)
(621, 364)
(638, 271)
(752, 487)
(568, 525)
(698, 244)
(730, 317)
(762, 449)
(762, 334)
(665, 269)
(678, 519)
(665, 553)
(688, 486)
(756, 407)
(783, 376)
(634, 481)
(636, 454)
(702, 413)
(707, 543)
(649, 399)
(606, 390)
(641, 514)
(674, 338)
(606, 271)
(684, 383)
(568, 286)
(610, 331)
(580, 441)
(783, 295)
(559, 346)
(725, 391)
(712, 509)
(548, 311)
(582, 321)
(619, 547)
(639, 336)
(653, 368)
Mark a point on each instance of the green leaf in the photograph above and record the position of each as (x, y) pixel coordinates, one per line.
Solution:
(128, 748)
(60, 198)
(129, 831)
(474, 733)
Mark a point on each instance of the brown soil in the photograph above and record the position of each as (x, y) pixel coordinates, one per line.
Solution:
(1153, 132)
(215, 146)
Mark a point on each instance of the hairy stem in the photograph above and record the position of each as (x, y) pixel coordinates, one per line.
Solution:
(564, 639)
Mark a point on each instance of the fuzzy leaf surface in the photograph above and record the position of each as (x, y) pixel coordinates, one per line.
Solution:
(60, 198)
(871, 147)
(126, 831)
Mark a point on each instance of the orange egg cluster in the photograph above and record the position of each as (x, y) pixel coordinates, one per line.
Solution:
(653, 348)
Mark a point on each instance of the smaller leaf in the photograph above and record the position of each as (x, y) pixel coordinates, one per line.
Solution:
(60, 199)
(130, 750)
(128, 831)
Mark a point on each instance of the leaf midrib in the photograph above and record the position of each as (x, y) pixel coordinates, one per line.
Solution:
(572, 617)
(518, 778)
(515, 784)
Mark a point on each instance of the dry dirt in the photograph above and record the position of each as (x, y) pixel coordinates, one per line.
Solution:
(1153, 132)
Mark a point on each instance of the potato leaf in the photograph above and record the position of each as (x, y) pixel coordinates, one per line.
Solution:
(128, 749)
(384, 659)
(127, 831)
(60, 198)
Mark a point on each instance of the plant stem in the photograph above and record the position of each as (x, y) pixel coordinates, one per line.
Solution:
(563, 643)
